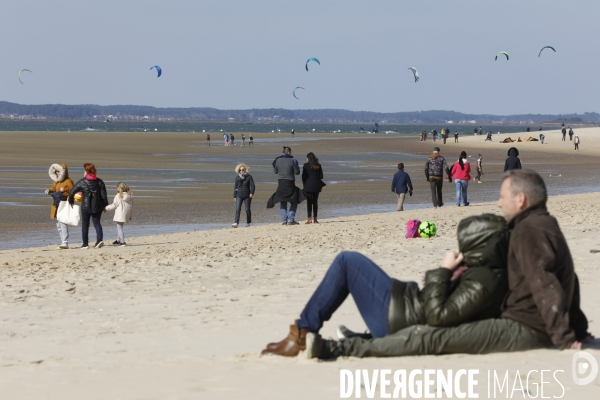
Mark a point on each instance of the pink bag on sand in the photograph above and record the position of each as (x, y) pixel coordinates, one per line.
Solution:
(412, 228)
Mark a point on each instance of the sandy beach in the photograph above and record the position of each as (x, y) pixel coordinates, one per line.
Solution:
(185, 315)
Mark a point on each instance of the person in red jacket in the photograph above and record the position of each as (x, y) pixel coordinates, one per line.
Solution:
(461, 173)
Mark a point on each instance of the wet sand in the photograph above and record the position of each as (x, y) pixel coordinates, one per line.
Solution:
(178, 180)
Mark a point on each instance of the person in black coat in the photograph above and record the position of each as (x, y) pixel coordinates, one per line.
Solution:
(312, 178)
(512, 162)
(93, 204)
(242, 193)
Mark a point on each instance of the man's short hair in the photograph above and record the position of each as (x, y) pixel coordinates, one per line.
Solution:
(528, 182)
(436, 149)
(401, 166)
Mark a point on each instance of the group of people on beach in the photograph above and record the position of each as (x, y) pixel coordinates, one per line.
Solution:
(510, 287)
(90, 191)
(286, 167)
(229, 139)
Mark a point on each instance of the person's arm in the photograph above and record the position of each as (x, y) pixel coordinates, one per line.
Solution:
(304, 174)
(103, 193)
(394, 182)
(252, 187)
(409, 184)
(114, 204)
(505, 165)
(76, 188)
(519, 163)
(537, 264)
(321, 176)
(448, 172)
(275, 169)
(296, 167)
(235, 186)
(472, 296)
(468, 168)
(427, 169)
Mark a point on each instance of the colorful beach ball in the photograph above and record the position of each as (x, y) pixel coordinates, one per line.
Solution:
(427, 229)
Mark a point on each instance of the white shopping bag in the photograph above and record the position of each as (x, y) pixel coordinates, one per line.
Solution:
(67, 214)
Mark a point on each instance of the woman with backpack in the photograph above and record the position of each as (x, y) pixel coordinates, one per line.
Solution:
(93, 203)
(461, 171)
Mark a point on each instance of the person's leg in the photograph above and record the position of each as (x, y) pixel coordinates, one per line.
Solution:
(248, 203)
(120, 233)
(98, 227)
(283, 211)
(292, 212)
(438, 185)
(315, 204)
(401, 201)
(350, 273)
(238, 209)
(63, 231)
(309, 204)
(458, 191)
(433, 192)
(480, 337)
(464, 184)
(85, 226)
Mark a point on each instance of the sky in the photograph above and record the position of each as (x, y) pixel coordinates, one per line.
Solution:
(251, 54)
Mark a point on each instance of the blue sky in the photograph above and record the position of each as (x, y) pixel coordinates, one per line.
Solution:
(251, 54)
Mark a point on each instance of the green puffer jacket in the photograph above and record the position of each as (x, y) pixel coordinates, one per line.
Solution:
(477, 294)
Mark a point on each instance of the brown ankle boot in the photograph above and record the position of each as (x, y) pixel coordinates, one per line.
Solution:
(315, 220)
(308, 221)
(290, 346)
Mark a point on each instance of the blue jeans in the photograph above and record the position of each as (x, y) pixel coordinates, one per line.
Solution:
(285, 215)
(351, 273)
(238, 208)
(461, 191)
(85, 226)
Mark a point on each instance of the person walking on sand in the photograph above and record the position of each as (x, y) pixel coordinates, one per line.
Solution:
(434, 135)
(226, 140)
(242, 193)
(207, 139)
(312, 178)
(232, 138)
(93, 203)
(421, 136)
(564, 133)
(480, 131)
(577, 141)
(243, 139)
(456, 137)
(401, 184)
(461, 172)
(479, 168)
(286, 166)
(123, 206)
(542, 137)
(571, 133)
(61, 186)
(251, 142)
(513, 161)
(293, 132)
(435, 167)
(444, 135)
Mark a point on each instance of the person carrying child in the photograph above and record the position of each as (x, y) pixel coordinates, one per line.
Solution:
(123, 206)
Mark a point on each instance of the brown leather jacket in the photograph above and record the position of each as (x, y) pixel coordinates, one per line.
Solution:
(543, 288)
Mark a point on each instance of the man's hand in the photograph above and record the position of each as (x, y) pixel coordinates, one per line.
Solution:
(410, 192)
(576, 345)
(47, 191)
(452, 260)
(250, 196)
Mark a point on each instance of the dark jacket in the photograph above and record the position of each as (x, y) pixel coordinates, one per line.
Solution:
(543, 288)
(512, 162)
(94, 195)
(243, 187)
(312, 179)
(401, 182)
(477, 294)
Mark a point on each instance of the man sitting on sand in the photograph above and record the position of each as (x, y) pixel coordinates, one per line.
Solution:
(541, 309)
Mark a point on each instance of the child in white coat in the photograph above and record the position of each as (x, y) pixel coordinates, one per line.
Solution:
(123, 206)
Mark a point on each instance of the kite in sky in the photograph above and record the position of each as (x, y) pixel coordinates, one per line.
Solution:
(158, 69)
(502, 52)
(415, 73)
(294, 92)
(23, 70)
(546, 47)
(313, 59)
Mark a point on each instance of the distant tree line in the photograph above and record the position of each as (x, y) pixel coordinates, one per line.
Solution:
(128, 112)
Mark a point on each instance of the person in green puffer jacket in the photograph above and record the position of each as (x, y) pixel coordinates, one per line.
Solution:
(474, 291)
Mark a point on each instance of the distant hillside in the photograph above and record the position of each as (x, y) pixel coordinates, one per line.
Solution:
(134, 113)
